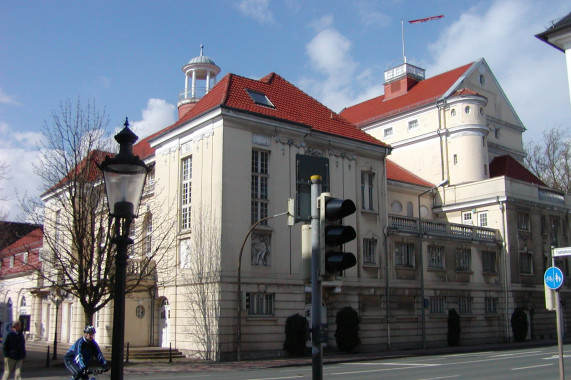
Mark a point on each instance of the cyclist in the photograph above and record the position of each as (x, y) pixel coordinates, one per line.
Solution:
(80, 353)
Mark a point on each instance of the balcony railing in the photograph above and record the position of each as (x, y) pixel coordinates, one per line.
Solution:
(434, 228)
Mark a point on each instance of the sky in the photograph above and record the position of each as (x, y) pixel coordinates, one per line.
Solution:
(126, 57)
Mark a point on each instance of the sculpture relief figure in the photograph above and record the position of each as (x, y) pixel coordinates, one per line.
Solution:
(260, 249)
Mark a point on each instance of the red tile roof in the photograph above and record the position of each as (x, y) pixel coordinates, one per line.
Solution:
(400, 174)
(424, 92)
(290, 104)
(31, 240)
(510, 167)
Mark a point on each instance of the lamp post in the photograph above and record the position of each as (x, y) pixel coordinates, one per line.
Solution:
(124, 177)
(422, 311)
(57, 295)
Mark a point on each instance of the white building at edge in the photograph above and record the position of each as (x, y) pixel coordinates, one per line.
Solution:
(232, 159)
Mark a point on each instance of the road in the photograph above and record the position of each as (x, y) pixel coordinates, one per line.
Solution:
(521, 364)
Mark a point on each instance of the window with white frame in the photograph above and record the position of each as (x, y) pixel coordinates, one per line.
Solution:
(259, 186)
(149, 234)
(489, 262)
(387, 132)
(367, 190)
(435, 256)
(369, 249)
(465, 305)
(404, 255)
(463, 259)
(467, 218)
(413, 124)
(261, 304)
(437, 305)
(526, 262)
(11, 262)
(523, 221)
(491, 305)
(483, 219)
(186, 192)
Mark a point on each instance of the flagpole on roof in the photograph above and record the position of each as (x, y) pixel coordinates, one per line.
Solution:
(402, 34)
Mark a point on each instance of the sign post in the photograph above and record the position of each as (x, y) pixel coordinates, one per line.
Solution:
(553, 279)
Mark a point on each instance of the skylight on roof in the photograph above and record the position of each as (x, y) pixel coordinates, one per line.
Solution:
(260, 98)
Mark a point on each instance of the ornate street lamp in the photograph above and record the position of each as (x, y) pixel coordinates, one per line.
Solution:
(124, 177)
(57, 295)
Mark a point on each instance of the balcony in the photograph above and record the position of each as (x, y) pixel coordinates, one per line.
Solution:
(406, 224)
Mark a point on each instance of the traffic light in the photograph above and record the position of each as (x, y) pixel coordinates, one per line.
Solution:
(333, 234)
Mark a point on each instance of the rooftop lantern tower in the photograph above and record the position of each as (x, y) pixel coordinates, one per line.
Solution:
(200, 76)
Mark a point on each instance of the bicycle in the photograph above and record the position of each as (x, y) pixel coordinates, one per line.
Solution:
(87, 375)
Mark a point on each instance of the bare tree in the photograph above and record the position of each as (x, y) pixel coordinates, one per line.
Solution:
(78, 252)
(550, 160)
(4, 171)
(201, 255)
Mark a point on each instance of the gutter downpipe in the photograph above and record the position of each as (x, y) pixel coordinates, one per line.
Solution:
(387, 289)
(506, 263)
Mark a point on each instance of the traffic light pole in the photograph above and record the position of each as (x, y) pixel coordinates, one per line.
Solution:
(316, 347)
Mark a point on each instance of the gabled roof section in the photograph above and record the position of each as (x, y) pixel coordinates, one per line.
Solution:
(424, 92)
(398, 173)
(13, 231)
(290, 104)
(510, 167)
(32, 240)
(562, 25)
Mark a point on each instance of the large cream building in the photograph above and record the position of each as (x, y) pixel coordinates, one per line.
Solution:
(443, 153)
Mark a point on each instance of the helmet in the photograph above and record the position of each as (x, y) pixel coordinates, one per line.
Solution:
(89, 330)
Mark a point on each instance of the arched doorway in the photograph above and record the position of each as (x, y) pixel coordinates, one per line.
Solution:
(164, 318)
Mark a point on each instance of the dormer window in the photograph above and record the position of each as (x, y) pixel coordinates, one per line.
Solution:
(260, 98)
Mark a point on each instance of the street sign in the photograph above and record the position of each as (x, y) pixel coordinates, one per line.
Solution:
(553, 278)
(565, 251)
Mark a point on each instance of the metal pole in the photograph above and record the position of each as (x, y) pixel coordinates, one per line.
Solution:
(122, 241)
(559, 327)
(422, 313)
(316, 347)
(55, 332)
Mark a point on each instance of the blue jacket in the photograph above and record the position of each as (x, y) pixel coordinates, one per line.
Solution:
(82, 351)
(15, 345)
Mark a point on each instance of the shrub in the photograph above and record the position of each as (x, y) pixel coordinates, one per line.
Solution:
(347, 332)
(453, 327)
(297, 333)
(519, 324)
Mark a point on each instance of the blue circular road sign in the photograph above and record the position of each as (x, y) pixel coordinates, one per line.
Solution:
(553, 278)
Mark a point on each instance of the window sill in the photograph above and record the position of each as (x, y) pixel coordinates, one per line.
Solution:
(370, 265)
(436, 269)
(464, 271)
(261, 317)
(263, 227)
(370, 212)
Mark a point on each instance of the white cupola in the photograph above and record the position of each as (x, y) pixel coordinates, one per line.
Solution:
(200, 76)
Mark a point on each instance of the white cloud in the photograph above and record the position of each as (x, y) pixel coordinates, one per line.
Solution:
(370, 17)
(329, 55)
(7, 99)
(158, 115)
(257, 9)
(530, 72)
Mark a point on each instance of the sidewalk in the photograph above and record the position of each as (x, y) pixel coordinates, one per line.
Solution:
(35, 363)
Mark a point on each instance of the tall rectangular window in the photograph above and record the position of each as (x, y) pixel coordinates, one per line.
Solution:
(260, 303)
(435, 256)
(367, 190)
(463, 259)
(149, 235)
(483, 219)
(369, 249)
(489, 261)
(404, 255)
(526, 262)
(465, 305)
(491, 305)
(259, 186)
(523, 221)
(437, 305)
(186, 192)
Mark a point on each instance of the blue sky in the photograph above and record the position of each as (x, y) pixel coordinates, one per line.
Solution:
(126, 56)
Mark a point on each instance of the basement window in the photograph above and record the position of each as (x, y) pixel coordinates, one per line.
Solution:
(260, 98)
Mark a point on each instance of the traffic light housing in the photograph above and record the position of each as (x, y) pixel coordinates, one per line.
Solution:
(333, 234)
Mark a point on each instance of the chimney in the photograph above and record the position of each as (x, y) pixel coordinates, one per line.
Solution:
(400, 79)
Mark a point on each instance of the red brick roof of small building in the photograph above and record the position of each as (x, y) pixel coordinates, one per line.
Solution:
(290, 104)
(31, 240)
(508, 166)
(397, 173)
(424, 92)
(13, 231)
